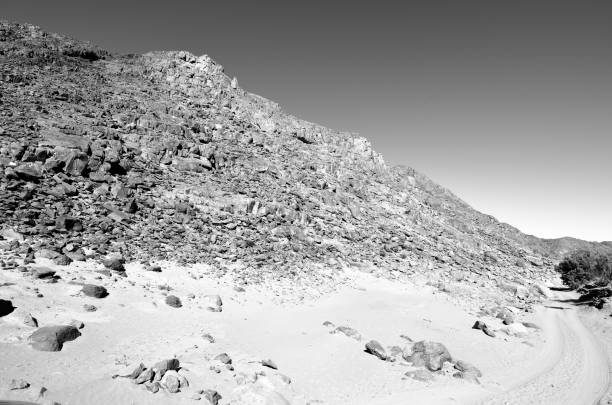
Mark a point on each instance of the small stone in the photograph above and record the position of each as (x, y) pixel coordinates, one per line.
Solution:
(155, 269)
(208, 337)
(174, 301)
(90, 308)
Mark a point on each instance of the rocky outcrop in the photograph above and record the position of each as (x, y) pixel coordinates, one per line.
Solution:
(163, 156)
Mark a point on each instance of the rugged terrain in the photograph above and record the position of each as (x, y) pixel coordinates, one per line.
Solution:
(157, 175)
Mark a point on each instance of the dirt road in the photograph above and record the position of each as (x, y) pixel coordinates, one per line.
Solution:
(573, 370)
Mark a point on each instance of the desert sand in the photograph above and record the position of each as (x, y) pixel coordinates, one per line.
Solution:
(563, 363)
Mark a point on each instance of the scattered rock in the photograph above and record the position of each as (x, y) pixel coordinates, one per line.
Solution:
(90, 308)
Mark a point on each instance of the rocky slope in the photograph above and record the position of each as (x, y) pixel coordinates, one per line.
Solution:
(163, 156)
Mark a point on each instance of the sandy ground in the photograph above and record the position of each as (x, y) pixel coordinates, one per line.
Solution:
(561, 364)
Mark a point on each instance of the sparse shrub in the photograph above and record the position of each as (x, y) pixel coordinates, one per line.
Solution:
(585, 267)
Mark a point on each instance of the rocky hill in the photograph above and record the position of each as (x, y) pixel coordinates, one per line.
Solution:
(163, 156)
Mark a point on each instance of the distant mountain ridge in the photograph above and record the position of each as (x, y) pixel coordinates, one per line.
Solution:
(163, 156)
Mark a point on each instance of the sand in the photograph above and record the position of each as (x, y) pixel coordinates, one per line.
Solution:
(563, 363)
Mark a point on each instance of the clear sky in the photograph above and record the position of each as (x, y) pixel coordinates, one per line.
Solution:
(506, 103)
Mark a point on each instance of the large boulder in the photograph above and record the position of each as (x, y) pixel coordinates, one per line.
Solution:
(52, 338)
(432, 355)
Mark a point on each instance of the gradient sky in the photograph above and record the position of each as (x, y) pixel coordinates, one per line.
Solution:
(506, 103)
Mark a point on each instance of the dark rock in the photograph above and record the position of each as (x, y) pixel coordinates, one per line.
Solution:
(6, 307)
(96, 291)
(156, 269)
(52, 338)
(173, 301)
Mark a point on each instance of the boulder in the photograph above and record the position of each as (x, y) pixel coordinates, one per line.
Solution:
(95, 291)
(52, 338)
